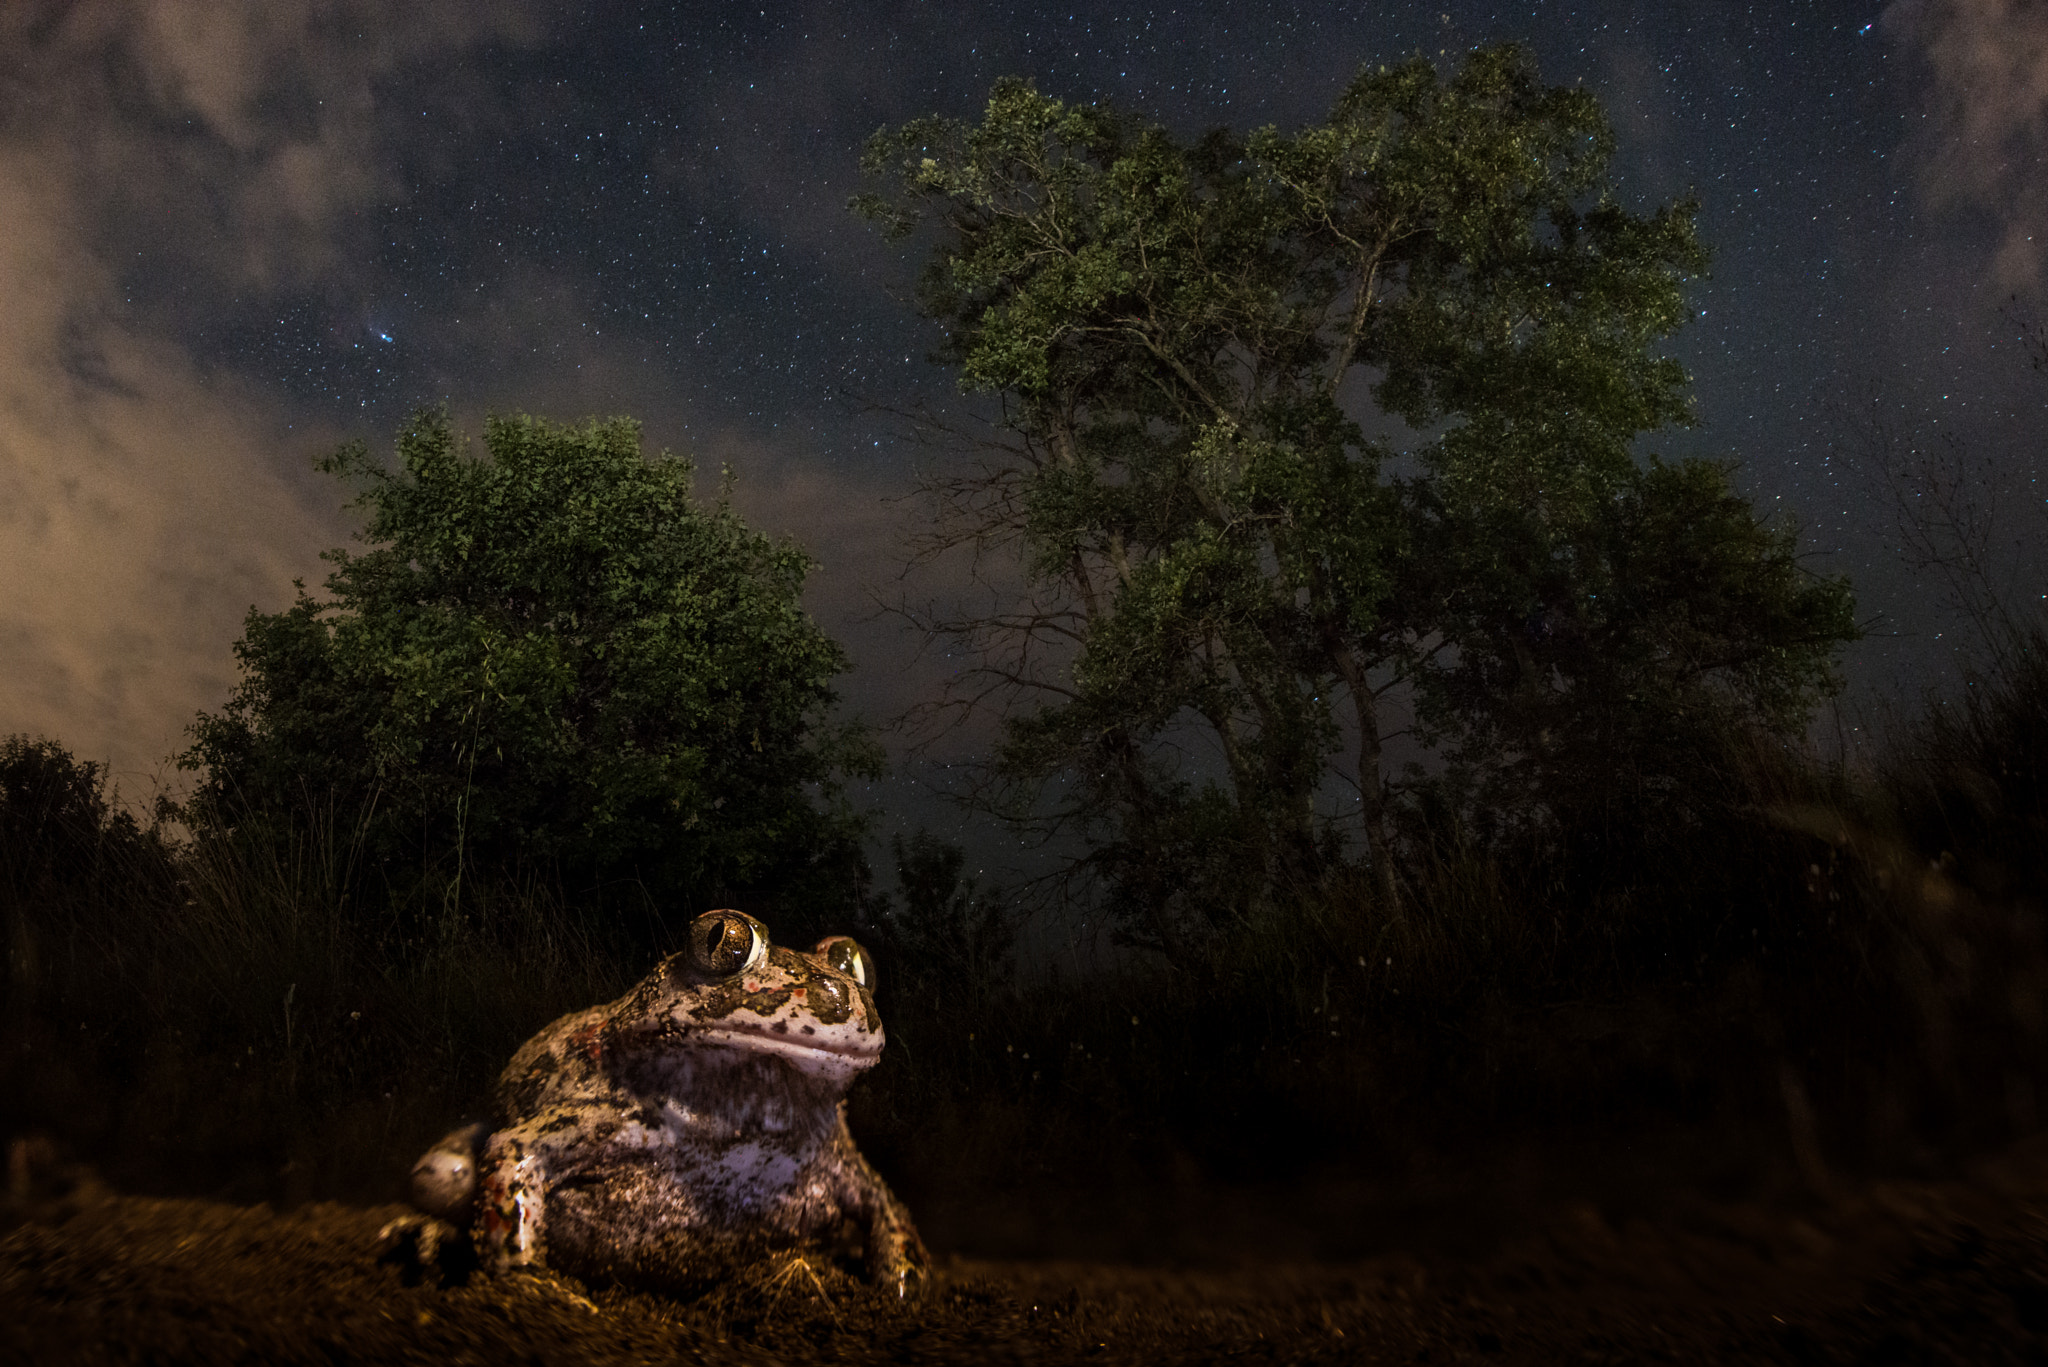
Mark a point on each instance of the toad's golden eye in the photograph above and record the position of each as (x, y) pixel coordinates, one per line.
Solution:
(842, 953)
(723, 943)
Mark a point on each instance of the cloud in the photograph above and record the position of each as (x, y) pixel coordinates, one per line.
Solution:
(1985, 146)
(854, 526)
(147, 500)
(140, 511)
(249, 125)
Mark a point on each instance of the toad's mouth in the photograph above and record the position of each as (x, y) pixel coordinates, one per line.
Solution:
(800, 1048)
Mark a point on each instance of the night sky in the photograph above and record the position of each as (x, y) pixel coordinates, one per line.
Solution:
(236, 232)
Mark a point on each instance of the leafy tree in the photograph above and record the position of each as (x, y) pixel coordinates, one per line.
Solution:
(1185, 340)
(551, 658)
(1602, 691)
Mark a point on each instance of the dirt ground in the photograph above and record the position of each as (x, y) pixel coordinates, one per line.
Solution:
(1896, 1272)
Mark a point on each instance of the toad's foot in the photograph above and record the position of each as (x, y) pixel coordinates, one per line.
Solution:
(796, 1275)
(417, 1240)
(897, 1261)
(547, 1286)
(907, 1279)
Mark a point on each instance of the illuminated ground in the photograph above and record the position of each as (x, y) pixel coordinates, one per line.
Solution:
(1950, 1271)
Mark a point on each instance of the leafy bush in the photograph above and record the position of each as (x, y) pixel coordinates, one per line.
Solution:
(552, 663)
(1788, 963)
(62, 834)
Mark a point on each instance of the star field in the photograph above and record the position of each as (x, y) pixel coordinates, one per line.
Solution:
(642, 210)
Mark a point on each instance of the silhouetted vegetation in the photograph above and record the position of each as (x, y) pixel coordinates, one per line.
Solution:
(1972, 778)
(1827, 970)
(215, 1009)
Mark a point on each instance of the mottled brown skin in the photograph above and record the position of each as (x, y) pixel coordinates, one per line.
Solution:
(694, 1125)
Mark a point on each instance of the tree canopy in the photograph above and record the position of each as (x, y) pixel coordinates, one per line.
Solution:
(1303, 425)
(551, 658)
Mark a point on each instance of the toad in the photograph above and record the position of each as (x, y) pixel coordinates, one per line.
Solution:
(695, 1124)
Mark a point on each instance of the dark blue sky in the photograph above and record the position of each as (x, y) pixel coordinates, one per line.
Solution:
(237, 233)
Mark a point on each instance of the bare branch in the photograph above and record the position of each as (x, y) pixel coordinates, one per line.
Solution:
(1945, 509)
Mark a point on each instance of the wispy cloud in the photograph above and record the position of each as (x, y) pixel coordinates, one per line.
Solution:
(1985, 142)
(146, 501)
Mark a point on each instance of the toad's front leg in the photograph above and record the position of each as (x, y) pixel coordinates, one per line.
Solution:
(896, 1257)
(511, 1219)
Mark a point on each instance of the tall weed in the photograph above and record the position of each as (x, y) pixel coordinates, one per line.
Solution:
(225, 1005)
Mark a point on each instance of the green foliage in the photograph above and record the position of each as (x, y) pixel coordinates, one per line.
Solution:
(1605, 678)
(551, 660)
(1180, 334)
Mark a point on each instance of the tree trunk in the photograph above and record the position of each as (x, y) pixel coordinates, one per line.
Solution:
(1372, 799)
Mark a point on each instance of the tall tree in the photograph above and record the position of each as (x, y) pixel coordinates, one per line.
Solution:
(552, 656)
(1186, 340)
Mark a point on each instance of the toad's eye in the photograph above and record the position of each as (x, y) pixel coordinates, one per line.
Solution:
(840, 952)
(723, 943)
